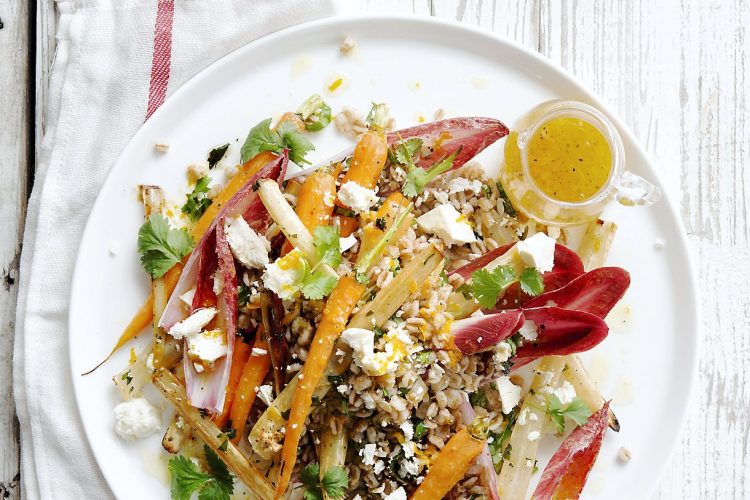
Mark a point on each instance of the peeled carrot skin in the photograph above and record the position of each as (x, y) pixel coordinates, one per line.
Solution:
(253, 374)
(450, 466)
(335, 316)
(240, 356)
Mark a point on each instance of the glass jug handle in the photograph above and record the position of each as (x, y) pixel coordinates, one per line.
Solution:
(634, 190)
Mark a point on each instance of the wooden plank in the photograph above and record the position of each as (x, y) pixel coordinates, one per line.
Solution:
(16, 155)
(46, 24)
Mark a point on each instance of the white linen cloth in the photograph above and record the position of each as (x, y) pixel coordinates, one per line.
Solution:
(98, 95)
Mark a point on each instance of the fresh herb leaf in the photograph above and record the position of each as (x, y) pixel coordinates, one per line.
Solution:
(478, 398)
(262, 138)
(531, 281)
(335, 380)
(407, 152)
(423, 357)
(216, 154)
(361, 277)
(417, 178)
(486, 286)
(327, 244)
(160, 246)
(243, 295)
(576, 410)
(444, 277)
(187, 479)
(420, 430)
(507, 205)
(334, 482)
(378, 332)
(377, 118)
(318, 284)
(197, 201)
(380, 223)
(315, 113)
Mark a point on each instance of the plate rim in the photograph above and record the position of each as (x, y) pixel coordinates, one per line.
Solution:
(425, 22)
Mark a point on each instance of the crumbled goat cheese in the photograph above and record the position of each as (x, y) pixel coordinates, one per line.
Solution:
(206, 347)
(283, 276)
(342, 389)
(193, 324)
(534, 435)
(460, 184)
(398, 494)
(347, 242)
(502, 353)
(445, 222)
(250, 248)
(329, 199)
(136, 419)
(356, 197)
(265, 394)
(565, 393)
(368, 454)
(510, 393)
(529, 330)
(537, 251)
(397, 344)
(408, 429)
(198, 170)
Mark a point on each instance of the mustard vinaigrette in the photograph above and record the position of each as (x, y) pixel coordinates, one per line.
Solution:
(569, 159)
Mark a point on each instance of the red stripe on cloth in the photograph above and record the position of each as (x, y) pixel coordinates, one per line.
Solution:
(162, 59)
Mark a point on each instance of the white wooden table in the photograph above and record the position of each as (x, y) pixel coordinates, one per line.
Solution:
(676, 72)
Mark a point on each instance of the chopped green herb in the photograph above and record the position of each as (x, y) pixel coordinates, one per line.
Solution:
(335, 380)
(327, 244)
(243, 295)
(197, 201)
(217, 484)
(262, 138)
(378, 332)
(423, 357)
(333, 485)
(444, 277)
(380, 223)
(160, 246)
(315, 113)
(486, 286)
(417, 178)
(531, 281)
(344, 211)
(576, 410)
(478, 398)
(507, 205)
(216, 154)
(420, 431)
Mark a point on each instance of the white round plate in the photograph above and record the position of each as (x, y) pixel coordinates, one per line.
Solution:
(416, 65)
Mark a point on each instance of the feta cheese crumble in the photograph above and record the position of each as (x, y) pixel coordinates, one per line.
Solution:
(193, 324)
(529, 330)
(510, 393)
(399, 494)
(534, 435)
(356, 197)
(136, 419)
(537, 251)
(347, 242)
(247, 246)
(460, 184)
(565, 393)
(445, 222)
(283, 276)
(398, 345)
(206, 347)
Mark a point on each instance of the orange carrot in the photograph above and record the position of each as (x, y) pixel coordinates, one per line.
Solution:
(388, 211)
(452, 462)
(253, 373)
(368, 159)
(240, 356)
(347, 225)
(335, 316)
(315, 202)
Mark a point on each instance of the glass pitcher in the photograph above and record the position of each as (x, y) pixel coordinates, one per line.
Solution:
(527, 196)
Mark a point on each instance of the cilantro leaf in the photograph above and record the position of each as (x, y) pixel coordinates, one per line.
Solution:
(318, 284)
(216, 154)
(407, 151)
(297, 143)
(327, 244)
(187, 479)
(335, 481)
(197, 201)
(576, 410)
(531, 281)
(486, 286)
(160, 246)
(310, 478)
(262, 138)
(417, 178)
(419, 430)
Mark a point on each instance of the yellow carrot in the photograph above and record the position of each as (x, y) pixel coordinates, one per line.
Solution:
(387, 212)
(335, 316)
(240, 356)
(452, 462)
(253, 373)
(368, 159)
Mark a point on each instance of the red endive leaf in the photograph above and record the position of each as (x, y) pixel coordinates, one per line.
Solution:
(479, 333)
(595, 292)
(566, 473)
(560, 332)
(565, 260)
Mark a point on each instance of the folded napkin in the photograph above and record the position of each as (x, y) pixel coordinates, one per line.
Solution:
(116, 62)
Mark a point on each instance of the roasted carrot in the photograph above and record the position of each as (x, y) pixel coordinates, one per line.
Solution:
(315, 202)
(253, 373)
(388, 211)
(335, 316)
(347, 225)
(453, 461)
(368, 159)
(240, 356)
